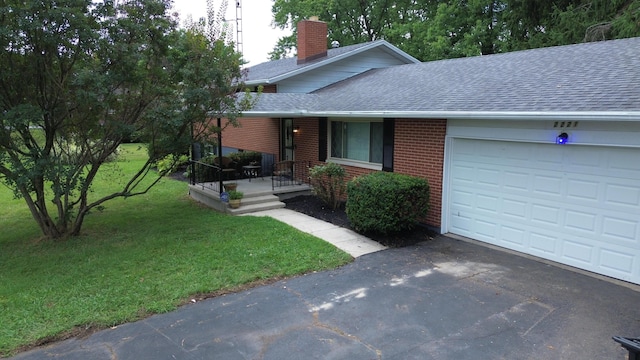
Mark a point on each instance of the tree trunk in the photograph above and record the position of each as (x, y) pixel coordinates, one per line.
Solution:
(38, 211)
(49, 228)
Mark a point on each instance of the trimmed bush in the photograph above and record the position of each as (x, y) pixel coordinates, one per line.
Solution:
(386, 202)
(328, 183)
(245, 158)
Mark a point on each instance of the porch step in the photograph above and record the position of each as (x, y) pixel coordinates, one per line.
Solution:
(258, 195)
(256, 203)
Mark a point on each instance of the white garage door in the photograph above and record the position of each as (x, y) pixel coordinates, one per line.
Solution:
(577, 205)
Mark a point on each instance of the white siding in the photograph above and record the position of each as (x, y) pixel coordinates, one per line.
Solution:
(338, 71)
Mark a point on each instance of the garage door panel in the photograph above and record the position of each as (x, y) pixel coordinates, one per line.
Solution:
(578, 189)
(547, 158)
(625, 195)
(545, 215)
(461, 199)
(617, 261)
(572, 204)
(543, 244)
(516, 181)
(588, 160)
(487, 203)
(488, 177)
(462, 225)
(515, 236)
(580, 221)
(514, 208)
(486, 228)
(624, 164)
(579, 252)
(514, 152)
(548, 185)
(623, 230)
(465, 174)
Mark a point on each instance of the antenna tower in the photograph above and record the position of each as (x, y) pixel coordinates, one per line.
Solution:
(239, 26)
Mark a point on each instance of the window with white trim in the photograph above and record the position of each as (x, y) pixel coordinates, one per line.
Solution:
(357, 140)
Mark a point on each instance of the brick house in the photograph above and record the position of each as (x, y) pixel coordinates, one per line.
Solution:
(537, 151)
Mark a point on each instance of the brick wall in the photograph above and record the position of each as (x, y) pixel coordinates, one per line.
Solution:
(306, 140)
(419, 151)
(255, 134)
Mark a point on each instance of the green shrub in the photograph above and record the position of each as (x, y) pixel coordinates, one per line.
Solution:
(386, 202)
(235, 195)
(170, 163)
(328, 183)
(206, 173)
(245, 158)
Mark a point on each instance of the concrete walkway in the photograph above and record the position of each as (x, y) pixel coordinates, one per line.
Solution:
(347, 240)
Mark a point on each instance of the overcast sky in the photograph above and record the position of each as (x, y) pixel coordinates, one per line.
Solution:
(259, 37)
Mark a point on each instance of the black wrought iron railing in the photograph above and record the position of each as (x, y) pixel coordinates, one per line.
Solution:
(289, 173)
(206, 175)
(283, 173)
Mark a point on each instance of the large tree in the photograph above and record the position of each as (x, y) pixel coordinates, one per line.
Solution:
(349, 21)
(80, 77)
(438, 29)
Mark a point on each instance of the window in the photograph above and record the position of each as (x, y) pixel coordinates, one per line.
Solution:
(357, 140)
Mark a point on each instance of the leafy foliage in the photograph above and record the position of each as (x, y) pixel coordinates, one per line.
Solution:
(245, 158)
(206, 169)
(328, 183)
(235, 195)
(438, 29)
(82, 77)
(170, 163)
(386, 202)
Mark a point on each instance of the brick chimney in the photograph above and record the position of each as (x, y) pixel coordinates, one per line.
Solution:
(312, 40)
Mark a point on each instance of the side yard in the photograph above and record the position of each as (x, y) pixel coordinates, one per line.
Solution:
(143, 255)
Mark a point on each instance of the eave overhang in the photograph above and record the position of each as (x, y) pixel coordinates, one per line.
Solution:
(459, 115)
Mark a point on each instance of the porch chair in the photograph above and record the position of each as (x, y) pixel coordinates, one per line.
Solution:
(227, 167)
(283, 169)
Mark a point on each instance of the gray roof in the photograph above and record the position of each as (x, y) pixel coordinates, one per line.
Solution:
(271, 71)
(599, 77)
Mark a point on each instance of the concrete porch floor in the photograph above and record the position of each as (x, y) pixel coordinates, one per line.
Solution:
(258, 195)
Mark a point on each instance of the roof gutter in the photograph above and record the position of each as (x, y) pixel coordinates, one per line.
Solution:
(462, 115)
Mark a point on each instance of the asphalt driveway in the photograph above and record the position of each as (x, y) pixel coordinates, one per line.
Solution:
(443, 299)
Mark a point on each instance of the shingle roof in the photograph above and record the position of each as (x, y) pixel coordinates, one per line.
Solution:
(283, 104)
(266, 71)
(271, 69)
(599, 76)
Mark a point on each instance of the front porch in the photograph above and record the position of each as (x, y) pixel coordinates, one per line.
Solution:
(259, 194)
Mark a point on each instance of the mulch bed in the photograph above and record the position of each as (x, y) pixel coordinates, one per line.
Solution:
(313, 206)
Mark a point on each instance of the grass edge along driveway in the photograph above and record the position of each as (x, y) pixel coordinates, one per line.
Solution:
(142, 255)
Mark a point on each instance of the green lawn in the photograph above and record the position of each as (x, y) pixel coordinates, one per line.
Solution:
(142, 255)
